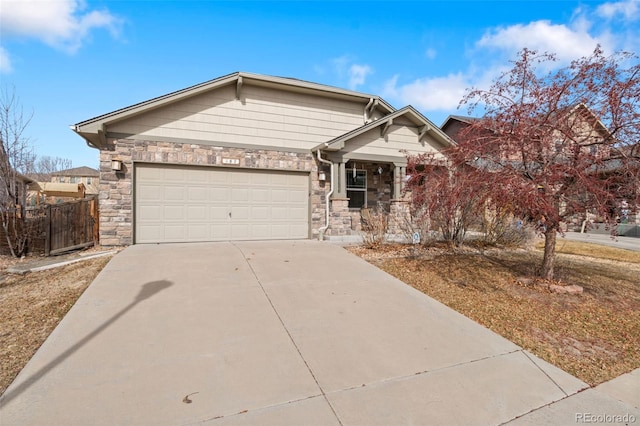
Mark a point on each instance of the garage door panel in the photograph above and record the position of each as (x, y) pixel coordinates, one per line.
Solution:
(153, 232)
(174, 232)
(261, 232)
(240, 195)
(219, 213)
(197, 232)
(240, 213)
(175, 175)
(219, 194)
(280, 196)
(240, 231)
(259, 195)
(191, 203)
(196, 213)
(298, 214)
(220, 232)
(260, 213)
(174, 214)
(298, 196)
(197, 193)
(280, 213)
(241, 179)
(298, 228)
(175, 193)
(150, 213)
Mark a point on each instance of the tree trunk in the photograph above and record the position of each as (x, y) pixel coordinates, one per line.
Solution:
(549, 253)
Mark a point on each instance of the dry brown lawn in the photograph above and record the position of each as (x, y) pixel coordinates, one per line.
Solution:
(595, 336)
(32, 305)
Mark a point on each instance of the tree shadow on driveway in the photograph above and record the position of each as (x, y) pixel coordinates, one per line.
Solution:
(148, 290)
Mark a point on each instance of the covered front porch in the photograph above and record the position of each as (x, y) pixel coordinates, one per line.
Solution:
(361, 187)
(364, 171)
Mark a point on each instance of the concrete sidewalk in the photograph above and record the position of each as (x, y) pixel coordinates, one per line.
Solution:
(277, 333)
(627, 243)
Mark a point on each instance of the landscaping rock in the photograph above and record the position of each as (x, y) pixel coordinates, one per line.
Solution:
(566, 289)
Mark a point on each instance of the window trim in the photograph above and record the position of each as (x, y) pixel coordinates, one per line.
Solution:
(357, 189)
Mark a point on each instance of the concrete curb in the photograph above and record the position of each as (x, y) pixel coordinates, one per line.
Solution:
(23, 269)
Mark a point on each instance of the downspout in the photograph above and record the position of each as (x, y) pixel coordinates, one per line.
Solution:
(323, 229)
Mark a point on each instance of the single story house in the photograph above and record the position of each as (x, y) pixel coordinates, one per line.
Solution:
(252, 157)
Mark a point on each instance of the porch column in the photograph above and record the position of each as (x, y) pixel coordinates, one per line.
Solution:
(397, 182)
(340, 179)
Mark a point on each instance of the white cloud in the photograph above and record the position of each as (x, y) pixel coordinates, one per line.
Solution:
(629, 10)
(345, 67)
(489, 59)
(340, 64)
(63, 24)
(543, 36)
(358, 74)
(5, 62)
(431, 53)
(429, 94)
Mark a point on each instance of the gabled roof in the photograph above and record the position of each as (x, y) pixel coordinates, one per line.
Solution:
(77, 171)
(408, 112)
(23, 178)
(450, 120)
(461, 118)
(597, 123)
(93, 130)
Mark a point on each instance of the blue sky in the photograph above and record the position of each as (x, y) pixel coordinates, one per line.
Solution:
(70, 60)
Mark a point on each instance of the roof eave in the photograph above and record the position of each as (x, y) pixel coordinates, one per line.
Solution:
(420, 120)
(92, 125)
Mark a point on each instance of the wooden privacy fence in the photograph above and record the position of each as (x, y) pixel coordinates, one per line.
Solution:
(71, 225)
(56, 228)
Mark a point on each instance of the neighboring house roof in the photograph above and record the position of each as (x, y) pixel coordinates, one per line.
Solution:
(55, 189)
(461, 118)
(595, 120)
(24, 179)
(425, 126)
(78, 171)
(94, 130)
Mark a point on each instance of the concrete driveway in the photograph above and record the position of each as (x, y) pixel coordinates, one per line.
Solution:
(277, 333)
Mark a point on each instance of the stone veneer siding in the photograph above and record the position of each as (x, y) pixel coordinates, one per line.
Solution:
(116, 188)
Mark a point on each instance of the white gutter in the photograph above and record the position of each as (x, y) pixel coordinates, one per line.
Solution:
(323, 229)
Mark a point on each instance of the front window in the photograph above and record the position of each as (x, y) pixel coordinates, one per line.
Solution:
(357, 188)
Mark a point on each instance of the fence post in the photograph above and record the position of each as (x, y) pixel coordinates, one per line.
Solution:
(47, 230)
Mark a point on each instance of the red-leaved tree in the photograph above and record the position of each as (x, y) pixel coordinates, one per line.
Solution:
(549, 146)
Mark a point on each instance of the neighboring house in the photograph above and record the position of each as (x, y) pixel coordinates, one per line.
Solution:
(21, 183)
(454, 123)
(587, 130)
(85, 175)
(578, 121)
(249, 156)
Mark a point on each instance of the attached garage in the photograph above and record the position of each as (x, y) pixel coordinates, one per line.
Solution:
(199, 203)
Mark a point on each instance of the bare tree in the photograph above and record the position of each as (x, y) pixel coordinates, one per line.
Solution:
(16, 157)
(45, 166)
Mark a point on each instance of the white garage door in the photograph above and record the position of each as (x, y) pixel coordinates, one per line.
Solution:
(188, 204)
